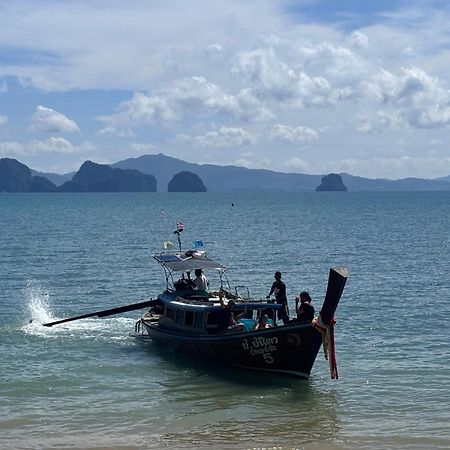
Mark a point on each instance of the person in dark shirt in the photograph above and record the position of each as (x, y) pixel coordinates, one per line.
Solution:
(279, 289)
(303, 308)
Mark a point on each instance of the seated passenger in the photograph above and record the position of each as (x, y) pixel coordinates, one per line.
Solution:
(233, 324)
(190, 281)
(183, 283)
(262, 323)
(200, 281)
(304, 310)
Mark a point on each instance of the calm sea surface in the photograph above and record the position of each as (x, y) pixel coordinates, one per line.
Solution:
(89, 385)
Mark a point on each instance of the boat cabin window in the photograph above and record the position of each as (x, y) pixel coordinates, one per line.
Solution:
(189, 317)
(171, 314)
(217, 320)
(199, 320)
(180, 317)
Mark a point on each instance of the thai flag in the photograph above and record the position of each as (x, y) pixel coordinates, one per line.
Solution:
(180, 226)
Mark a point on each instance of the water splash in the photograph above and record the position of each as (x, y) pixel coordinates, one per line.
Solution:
(37, 306)
(39, 311)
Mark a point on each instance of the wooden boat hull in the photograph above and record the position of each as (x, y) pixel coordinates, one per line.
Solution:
(289, 349)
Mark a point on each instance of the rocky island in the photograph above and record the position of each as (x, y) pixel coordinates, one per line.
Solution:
(186, 181)
(93, 177)
(16, 177)
(331, 182)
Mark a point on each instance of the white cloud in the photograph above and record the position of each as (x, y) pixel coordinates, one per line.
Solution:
(50, 121)
(413, 98)
(223, 137)
(142, 148)
(201, 69)
(263, 163)
(378, 122)
(297, 164)
(111, 130)
(291, 135)
(52, 145)
(3, 120)
(123, 47)
(195, 96)
(359, 39)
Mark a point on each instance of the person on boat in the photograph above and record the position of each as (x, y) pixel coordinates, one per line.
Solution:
(200, 281)
(233, 324)
(189, 280)
(184, 283)
(304, 308)
(262, 323)
(279, 289)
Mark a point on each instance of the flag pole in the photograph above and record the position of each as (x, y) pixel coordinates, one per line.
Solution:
(178, 231)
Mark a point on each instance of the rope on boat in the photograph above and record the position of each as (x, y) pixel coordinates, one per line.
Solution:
(329, 348)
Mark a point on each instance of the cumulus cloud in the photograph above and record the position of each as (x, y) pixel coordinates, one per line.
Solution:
(50, 121)
(223, 137)
(272, 79)
(291, 135)
(412, 98)
(194, 96)
(297, 164)
(52, 145)
(262, 163)
(359, 39)
(182, 69)
(142, 148)
(111, 130)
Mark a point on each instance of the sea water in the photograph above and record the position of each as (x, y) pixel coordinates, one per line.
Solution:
(88, 384)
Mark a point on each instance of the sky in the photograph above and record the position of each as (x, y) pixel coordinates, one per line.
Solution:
(301, 86)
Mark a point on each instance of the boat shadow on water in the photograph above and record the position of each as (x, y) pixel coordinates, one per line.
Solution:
(195, 368)
(230, 407)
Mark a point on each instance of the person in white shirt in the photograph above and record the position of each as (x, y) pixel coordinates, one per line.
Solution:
(200, 281)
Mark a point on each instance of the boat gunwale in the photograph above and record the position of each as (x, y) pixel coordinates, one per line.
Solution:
(226, 336)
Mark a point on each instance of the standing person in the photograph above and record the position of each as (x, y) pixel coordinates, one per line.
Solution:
(304, 310)
(279, 289)
(200, 281)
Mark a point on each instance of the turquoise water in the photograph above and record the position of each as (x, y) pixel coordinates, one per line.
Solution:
(88, 384)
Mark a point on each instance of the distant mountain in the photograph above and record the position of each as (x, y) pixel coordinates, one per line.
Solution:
(186, 182)
(55, 178)
(92, 177)
(354, 183)
(17, 177)
(14, 176)
(41, 184)
(240, 179)
(221, 178)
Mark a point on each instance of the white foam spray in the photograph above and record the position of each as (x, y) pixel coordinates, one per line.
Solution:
(39, 311)
(37, 308)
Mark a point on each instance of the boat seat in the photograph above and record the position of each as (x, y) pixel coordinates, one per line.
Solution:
(249, 324)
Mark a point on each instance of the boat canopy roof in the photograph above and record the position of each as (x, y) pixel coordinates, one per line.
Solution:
(188, 261)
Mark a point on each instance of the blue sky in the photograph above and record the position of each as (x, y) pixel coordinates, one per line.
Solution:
(294, 86)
